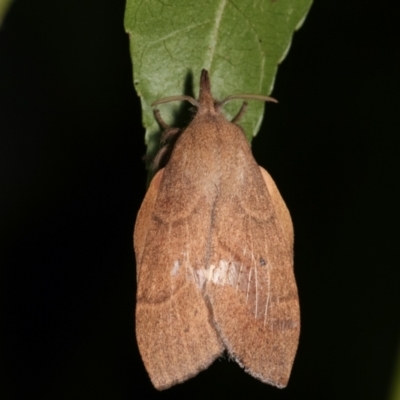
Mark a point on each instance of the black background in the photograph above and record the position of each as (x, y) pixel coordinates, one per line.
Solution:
(72, 180)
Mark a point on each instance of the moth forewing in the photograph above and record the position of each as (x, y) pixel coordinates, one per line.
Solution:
(143, 218)
(256, 312)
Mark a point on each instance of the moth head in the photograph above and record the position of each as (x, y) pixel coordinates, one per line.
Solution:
(206, 102)
(204, 105)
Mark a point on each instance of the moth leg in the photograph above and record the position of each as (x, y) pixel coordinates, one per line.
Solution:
(168, 131)
(170, 135)
(240, 113)
(161, 158)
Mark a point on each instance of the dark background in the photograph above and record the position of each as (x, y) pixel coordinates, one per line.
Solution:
(72, 180)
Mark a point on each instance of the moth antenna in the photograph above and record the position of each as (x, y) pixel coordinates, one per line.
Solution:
(176, 98)
(243, 96)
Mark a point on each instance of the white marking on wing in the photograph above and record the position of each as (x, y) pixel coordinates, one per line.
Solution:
(175, 268)
(269, 293)
(224, 273)
(233, 274)
(248, 285)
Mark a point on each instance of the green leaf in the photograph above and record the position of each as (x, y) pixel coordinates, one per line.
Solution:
(240, 43)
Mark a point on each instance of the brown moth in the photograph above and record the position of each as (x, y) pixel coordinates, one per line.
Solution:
(214, 250)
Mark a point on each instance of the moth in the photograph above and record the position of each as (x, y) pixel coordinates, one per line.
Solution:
(213, 242)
